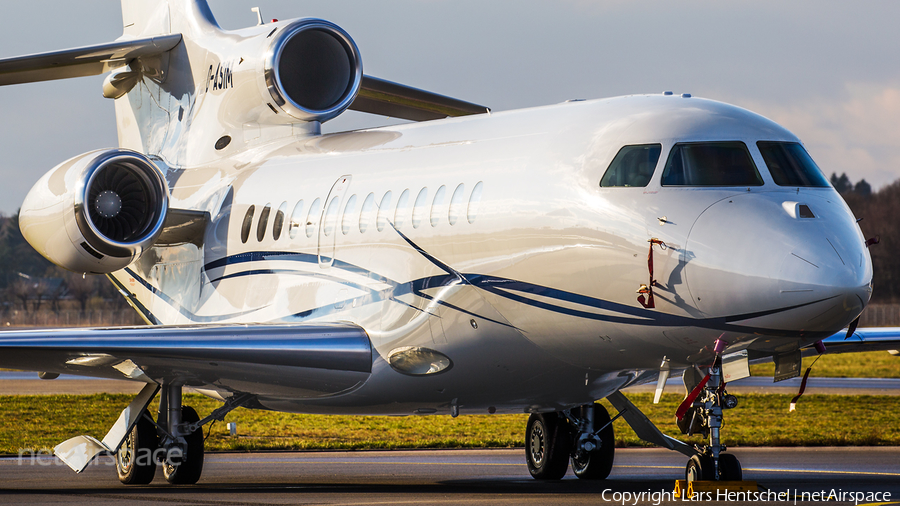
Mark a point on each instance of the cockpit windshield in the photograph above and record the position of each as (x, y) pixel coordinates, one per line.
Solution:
(710, 164)
(791, 165)
(632, 166)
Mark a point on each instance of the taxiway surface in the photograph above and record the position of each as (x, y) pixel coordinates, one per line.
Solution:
(467, 477)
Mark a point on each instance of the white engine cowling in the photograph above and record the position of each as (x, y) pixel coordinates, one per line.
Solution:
(96, 213)
(312, 69)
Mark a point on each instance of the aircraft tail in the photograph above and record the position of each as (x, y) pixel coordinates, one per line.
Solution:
(173, 67)
(158, 91)
(143, 18)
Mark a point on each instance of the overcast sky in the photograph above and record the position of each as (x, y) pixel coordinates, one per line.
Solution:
(829, 71)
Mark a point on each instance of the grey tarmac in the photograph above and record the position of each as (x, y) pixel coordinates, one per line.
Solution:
(468, 477)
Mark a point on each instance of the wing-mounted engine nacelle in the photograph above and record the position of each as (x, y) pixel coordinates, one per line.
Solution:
(97, 212)
(313, 70)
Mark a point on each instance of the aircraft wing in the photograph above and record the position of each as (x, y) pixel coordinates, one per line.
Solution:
(81, 61)
(305, 360)
(863, 339)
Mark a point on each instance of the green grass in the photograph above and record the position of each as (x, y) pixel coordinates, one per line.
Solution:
(871, 364)
(39, 422)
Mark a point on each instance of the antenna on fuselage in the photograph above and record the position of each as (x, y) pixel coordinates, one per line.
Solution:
(259, 20)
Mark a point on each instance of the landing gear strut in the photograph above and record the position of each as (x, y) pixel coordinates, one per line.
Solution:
(180, 438)
(594, 449)
(705, 416)
(175, 441)
(585, 434)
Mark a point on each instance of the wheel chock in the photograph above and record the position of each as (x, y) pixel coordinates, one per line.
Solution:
(712, 490)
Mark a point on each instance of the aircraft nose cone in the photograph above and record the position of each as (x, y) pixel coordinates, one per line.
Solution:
(784, 262)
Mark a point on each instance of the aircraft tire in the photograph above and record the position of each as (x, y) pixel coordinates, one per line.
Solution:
(135, 461)
(547, 446)
(598, 464)
(729, 468)
(699, 468)
(190, 469)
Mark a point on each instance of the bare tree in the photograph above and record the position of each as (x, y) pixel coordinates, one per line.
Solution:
(21, 289)
(39, 288)
(81, 288)
(879, 212)
(56, 292)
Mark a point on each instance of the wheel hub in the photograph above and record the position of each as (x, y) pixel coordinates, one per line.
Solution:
(537, 444)
(125, 456)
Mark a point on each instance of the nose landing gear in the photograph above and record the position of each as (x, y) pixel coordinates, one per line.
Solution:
(702, 412)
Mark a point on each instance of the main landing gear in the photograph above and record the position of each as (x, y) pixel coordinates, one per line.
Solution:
(584, 434)
(174, 441)
(704, 416)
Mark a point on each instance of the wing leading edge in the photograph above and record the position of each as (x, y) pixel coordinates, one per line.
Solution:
(304, 360)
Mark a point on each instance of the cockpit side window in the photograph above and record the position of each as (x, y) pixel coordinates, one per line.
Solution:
(791, 165)
(711, 164)
(632, 166)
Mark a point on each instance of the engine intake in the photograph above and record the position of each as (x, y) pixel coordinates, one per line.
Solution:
(97, 212)
(313, 70)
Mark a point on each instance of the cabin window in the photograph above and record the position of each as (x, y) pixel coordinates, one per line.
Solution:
(419, 207)
(296, 219)
(401, 214)
(278, 223)
(791, 165)
(248, 222)
(263, 221)
(312, 218)
(474, 201)
(331, 213)
(710, 164)
(365, 214)
(456, 204)
(348, 212)
(633, 166)
(383, 210)
(437, 204)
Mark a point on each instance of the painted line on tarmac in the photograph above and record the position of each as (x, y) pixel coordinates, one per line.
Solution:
(508, 464)
(370, 462)
(819, 471)
(775, 470)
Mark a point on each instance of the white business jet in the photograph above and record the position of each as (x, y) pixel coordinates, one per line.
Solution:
(526, 261)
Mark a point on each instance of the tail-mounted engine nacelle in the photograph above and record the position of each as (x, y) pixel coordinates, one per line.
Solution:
(97, 212)
(313, 70)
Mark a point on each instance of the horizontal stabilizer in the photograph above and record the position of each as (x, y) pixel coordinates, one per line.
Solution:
(81, 61)
(386, 98)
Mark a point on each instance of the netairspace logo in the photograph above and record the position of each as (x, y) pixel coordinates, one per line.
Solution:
(44, 457)
(626, 498)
